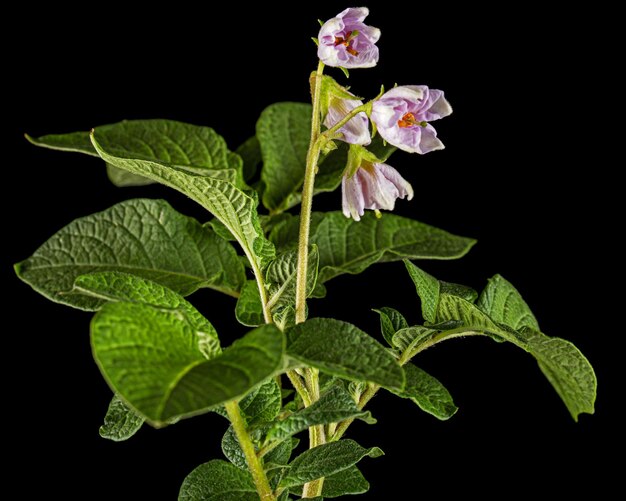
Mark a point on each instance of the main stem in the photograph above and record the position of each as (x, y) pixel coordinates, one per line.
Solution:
(254, 463)
(311, 376)
(312, 158)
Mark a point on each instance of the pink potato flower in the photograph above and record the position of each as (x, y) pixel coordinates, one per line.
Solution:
(402, 117)
(373, 186)
(346, 42)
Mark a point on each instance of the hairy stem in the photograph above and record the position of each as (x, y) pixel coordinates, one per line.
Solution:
(316, 434)
(312, 158)
(405, 356)
(254, 463)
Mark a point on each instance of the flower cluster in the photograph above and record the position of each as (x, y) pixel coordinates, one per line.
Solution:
(402, 116)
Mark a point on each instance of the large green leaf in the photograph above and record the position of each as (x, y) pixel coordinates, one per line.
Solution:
(284, 132)
(218, 481)
(344, 350)
(187, 146)
(348, 246)
(122, 287)
(153, 358)
(325, 460)
(428, 393)
(120, 422)
(567, 369)
(504, 304)
(333, 406)
(235, 209)
(144, 237)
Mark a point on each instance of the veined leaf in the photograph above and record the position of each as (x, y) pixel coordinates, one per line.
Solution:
(333, 406)
(343, 350)
(120, 422)
(263, 404)
(428, 393)
(284, 132)
(235, 209)
(153, 359)
(218, 481)
(348, 246)
(391, 321)
(326, 460)
(499, 310)
(249, 310)
(144, 237)
(501, 301)
(121, 287)
(178, 144)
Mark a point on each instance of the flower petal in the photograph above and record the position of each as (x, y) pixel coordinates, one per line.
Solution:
(435, 106)
(353, 204)
(404, 187)
(429, 140)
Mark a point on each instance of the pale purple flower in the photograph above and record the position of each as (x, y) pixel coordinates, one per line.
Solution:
(346, 42)
(374, 186)
(402, 117)
(356, 131)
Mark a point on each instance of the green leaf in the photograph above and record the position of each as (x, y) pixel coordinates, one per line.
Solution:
(122, 287)
(284, 132)
(249, 310)
(326, 460)
(281, 454)
(391, 321)
(250, 153)
(504, 304)
(235, 209)
(567, 369)
(281, 274)
(144, 237)
(463, 291)
(333, 406)
(428, 393)
(120, 422)
(262, 404)
(122, 178)
(218, 481)
(569, 372)
(456, 308)
(232, 450)
(343, 483)
(427, 288)
(348, 246)
(343, 350)
(154, 360)
(410, 339)
(199, 149)
(77, 142)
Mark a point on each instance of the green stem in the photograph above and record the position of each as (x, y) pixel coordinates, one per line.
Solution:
(267, 313)
(359, 109)
(312, 158)
(311, 377)
(407, 355)
(254, 463)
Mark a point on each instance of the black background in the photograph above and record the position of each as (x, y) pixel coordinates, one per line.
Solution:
(525, 171)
